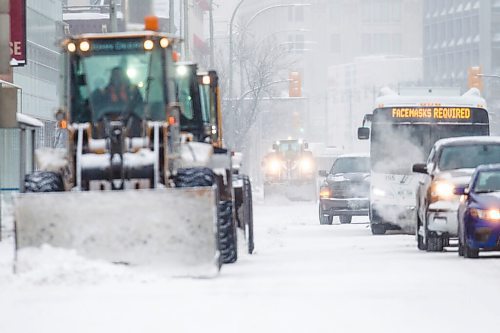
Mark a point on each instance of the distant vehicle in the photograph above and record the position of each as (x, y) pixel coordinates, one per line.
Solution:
(345, 190)
(450, 165)
(290, 170)
(479, 212)
(403, 129)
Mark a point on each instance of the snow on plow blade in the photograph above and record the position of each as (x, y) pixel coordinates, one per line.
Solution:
(170, 229)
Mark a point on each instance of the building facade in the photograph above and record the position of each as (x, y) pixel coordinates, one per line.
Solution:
(39, 80)
(460, 34)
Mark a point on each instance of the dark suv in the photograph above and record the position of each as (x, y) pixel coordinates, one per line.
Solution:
(346, 189)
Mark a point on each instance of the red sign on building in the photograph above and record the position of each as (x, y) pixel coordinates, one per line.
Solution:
(18, 32)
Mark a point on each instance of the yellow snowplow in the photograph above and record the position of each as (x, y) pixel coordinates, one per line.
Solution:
(124, 190)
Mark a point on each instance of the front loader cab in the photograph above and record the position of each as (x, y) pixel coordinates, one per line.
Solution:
(118, 88)
(211, 103)
(195, 116)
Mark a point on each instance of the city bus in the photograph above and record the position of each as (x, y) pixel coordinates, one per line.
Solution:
(402, 129)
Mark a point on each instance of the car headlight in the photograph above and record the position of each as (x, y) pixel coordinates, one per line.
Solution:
(491, 215)
(442, 190)
(378, 192)
(324, 193)
(306, 165)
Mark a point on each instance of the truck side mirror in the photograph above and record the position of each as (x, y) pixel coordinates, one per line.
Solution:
(275, 146)
(306, 145)
(323, 173)
(420, 168)
(363, 133)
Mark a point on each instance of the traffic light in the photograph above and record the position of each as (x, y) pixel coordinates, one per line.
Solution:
(295, 89)
(475, 80)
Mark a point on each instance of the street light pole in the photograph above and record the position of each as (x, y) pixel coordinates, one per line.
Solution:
(171, 17)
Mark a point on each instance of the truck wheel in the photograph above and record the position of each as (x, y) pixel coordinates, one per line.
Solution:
(324, 219)
(378, 229)
(345, 219)
(435, 244)
(469, 252)
(421, 245)
(227, 233)
(43, 181)
(460, 248)
(248, 213)
(194, 177)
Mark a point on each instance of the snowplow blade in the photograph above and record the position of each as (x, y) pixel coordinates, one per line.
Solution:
(171, 229)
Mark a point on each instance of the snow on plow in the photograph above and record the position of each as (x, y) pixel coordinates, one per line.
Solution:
(169, 229)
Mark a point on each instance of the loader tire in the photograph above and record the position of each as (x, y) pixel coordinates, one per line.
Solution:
(227, 233)
(194, 177)
(43, 181)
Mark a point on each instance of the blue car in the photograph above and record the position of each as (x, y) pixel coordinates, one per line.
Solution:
(479, 212)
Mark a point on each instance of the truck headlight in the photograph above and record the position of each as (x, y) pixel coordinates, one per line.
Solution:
(324, 193)
(442, 190)
(491, 215)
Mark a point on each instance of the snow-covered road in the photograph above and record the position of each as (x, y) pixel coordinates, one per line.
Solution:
(303, 278)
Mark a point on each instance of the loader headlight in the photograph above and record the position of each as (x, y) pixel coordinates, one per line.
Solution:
(306, 165)
(442, 190)
(274, 166)
(491, 215)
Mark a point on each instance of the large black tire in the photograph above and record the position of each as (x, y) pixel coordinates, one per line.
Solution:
(228, 246)
(435, 244)
(378, 229)
(194, 177)
(324, 219)
(345, 219)
(43, 181)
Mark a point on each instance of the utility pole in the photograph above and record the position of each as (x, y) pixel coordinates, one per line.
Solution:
(4, 37)
(171, 17)
(212, 46)
(112, 16)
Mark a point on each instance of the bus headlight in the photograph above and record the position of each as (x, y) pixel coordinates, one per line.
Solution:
(442, 190)
(377, 192)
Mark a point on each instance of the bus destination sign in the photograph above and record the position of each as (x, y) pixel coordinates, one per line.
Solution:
(438, 113)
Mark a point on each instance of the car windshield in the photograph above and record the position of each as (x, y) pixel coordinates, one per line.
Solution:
(487, 181)
(468, 156)
(351, 165)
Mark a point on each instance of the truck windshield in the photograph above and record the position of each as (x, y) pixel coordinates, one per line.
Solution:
(119, 84)
(468, 156)
(351, 165)
(289, 146)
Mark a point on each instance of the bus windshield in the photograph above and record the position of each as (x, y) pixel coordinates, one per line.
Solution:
(396, 147)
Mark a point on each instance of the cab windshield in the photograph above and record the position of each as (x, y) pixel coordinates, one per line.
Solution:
(289, 146)
(468, 156)
(118, 84)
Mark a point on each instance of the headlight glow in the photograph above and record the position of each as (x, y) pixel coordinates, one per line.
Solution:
(324, 193)
(84, 46)
(148, 45)
(442, 190)
(492, 215)
(71, 47)
(306, 164)
(182, 70)
(274, 166)
(378, 192)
